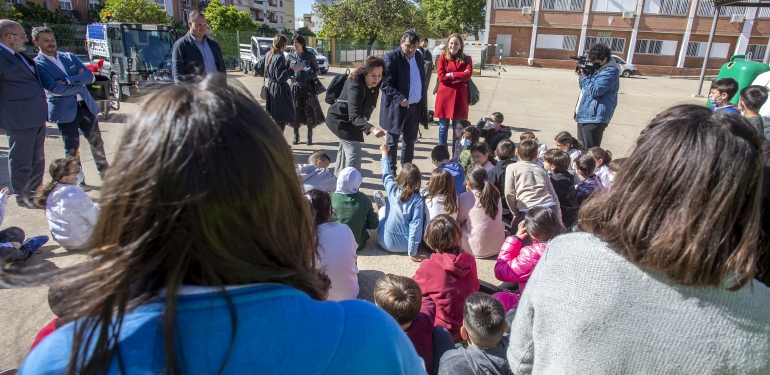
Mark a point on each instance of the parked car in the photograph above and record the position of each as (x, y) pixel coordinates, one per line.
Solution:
(626, 69)
(323, 62)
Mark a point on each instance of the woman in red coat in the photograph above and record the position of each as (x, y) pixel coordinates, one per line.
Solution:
(454, 72)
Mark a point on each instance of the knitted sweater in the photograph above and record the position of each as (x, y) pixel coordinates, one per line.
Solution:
(588, 310)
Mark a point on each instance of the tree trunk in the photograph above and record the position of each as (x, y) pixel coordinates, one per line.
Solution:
(372, 39)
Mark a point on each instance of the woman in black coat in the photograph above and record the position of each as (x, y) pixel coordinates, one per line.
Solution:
(280, 101)
(348, 118)
(309, 110)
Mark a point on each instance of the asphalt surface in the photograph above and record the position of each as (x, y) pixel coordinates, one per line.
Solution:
(531, 99)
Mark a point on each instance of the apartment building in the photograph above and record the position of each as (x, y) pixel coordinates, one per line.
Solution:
(288, 17)
(656, 35)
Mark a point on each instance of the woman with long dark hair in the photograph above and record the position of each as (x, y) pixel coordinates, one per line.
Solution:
(662, 282)
(280, 100)
(454, 70)
(309, 110)
(192, 270)
(349, 117)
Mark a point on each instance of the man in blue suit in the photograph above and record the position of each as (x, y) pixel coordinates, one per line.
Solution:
(404, 97)
(22, 112)
(70, 105)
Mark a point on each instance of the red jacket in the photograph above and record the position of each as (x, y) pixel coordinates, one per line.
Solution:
(452, 95)
(448, 279)
(421, 332)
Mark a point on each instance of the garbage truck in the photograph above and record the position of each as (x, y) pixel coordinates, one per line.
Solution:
(251, 53)
(131, 54)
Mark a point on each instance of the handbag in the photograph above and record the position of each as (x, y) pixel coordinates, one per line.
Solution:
(473, 92)
(319, 87)
(264, 92)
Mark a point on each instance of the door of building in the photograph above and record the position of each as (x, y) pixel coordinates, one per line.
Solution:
(505, 40)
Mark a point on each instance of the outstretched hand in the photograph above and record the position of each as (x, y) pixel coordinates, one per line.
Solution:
(384, 148)
(4, 190)
(379, 133)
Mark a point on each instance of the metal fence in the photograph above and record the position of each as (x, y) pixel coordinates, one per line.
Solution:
(348, 52)
(69, 38)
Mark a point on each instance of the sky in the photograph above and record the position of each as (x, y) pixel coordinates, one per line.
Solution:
(301, 7)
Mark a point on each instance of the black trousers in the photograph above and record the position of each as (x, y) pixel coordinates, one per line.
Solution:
(26, 160)
(591, 134)
(411, 129)
(85, 121)
(10, 253)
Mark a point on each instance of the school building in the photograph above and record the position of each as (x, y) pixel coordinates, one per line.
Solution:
(660, 36)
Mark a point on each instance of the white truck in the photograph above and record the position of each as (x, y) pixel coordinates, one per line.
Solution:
(252, 52)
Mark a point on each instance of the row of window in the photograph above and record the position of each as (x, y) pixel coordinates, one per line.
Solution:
(674, 7)
(647, 46)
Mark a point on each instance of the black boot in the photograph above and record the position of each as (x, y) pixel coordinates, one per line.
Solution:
(309, 135)
(296, 136)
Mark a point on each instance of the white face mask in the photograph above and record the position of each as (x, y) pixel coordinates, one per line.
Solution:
(489, 125)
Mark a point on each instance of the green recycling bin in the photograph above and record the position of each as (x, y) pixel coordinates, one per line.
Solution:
(742, 70)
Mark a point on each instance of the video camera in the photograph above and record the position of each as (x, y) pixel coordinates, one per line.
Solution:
(583, 65)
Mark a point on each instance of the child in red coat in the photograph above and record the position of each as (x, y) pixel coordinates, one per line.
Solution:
(449, 276)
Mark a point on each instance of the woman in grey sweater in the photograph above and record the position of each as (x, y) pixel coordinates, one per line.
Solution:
(663, 280)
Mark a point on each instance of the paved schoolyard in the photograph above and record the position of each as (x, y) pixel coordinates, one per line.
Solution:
(540, 100)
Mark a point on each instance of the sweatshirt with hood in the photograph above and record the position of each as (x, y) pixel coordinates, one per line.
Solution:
(564, 186)
(458, 175)
(313, 177)
(352, 207)
(71, 216)
(474, 361)
(448, 278)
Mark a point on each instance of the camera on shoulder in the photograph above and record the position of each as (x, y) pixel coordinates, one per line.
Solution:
(588, 68)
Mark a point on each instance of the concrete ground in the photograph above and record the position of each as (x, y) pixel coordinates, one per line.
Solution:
(539, 100)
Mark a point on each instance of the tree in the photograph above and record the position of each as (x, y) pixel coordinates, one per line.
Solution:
(267, 30)
(446, 16)
(8, 11)
(135, 11)
(36, 13)
(305, 31)
(94, 13)
(287, 32)
(368, 20)
(228, 18)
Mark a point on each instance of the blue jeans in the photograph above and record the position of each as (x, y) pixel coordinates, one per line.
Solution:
(443, 131)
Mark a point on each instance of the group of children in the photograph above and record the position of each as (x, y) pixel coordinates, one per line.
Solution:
(752, 98)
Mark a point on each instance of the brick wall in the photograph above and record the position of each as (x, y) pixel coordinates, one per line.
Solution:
(520, 39)
(510, 17)
(600, 21)
(553, 18)
(663, 24)
(650, 70)
(702, 25)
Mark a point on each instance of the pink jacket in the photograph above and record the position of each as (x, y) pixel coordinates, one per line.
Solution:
(515, 264)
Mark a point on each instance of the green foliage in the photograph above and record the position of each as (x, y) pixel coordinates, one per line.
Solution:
(228, 18)
(95, 12)
(8, 11)
(369, 20)
(180, 27)
(267, 30)
(287, 32)
(136, 11)
(445, 16)
(36, 13)
(305, 31)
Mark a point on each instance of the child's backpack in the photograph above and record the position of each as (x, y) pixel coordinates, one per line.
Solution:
(334, 89)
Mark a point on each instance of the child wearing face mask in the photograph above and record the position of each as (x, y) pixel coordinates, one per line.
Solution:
(722, 91)
(493, 130)
(469, 137)
(70, 211)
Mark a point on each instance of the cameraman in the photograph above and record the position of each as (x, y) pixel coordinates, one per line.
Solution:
(598, 96)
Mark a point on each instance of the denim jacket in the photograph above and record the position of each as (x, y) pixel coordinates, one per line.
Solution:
(400, 231)
(599, 95)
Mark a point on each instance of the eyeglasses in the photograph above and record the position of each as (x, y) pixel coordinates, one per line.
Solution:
(21, 35)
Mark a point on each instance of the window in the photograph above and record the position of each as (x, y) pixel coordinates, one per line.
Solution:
(763, 13)
(512, 4)
(698, 49)
(65, 5)
(561, 42)
(616, 44)
(676, 7)
(575, 5)
(281, 19)
(756, 52)
(614, 6)
(706, 8)
(656, 47)
(253, 16)
(281, 3)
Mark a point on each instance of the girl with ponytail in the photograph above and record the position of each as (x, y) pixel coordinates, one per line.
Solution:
(480, 214)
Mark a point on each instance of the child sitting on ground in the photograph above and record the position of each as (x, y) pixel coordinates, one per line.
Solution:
(336, 252)
(752, 99)
(457, 146)
(527, 185)
(493, 130)
(58, 291)
(481, 155)
(505, 152)
(440, 197)
(515, 261)
(13, 248)
(541, 148)
(615, 166)
(315, 174)
(449, 275)
(401, 214)
(401, 297)
(70, 211)
(556, 164)
(566, 142)
(352, 207)
(602, 158)
(325, 282)
(586, 166)
(469, 137)
(440, 158)
(485, 327)
(722, 92)
(480, 214)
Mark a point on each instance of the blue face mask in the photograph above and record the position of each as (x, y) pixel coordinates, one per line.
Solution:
(550, 173)
(715, 101)
(465, 143)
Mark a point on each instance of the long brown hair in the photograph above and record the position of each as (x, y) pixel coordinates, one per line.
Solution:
(409, 179)
(443, 234)
(58, 169)
(442, 183)
(687, 204)
(202, 191)
(365, 67)
(460, 56)
(279, 41)
(489, 196)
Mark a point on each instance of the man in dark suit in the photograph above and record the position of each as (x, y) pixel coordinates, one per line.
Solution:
(427, 62)
(195, 54)
(70, 105)
(404, 97)
(22, 112)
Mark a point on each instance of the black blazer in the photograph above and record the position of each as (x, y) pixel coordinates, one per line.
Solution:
(356, 102)
(395, 88)
(187, 60)
(303, 77)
